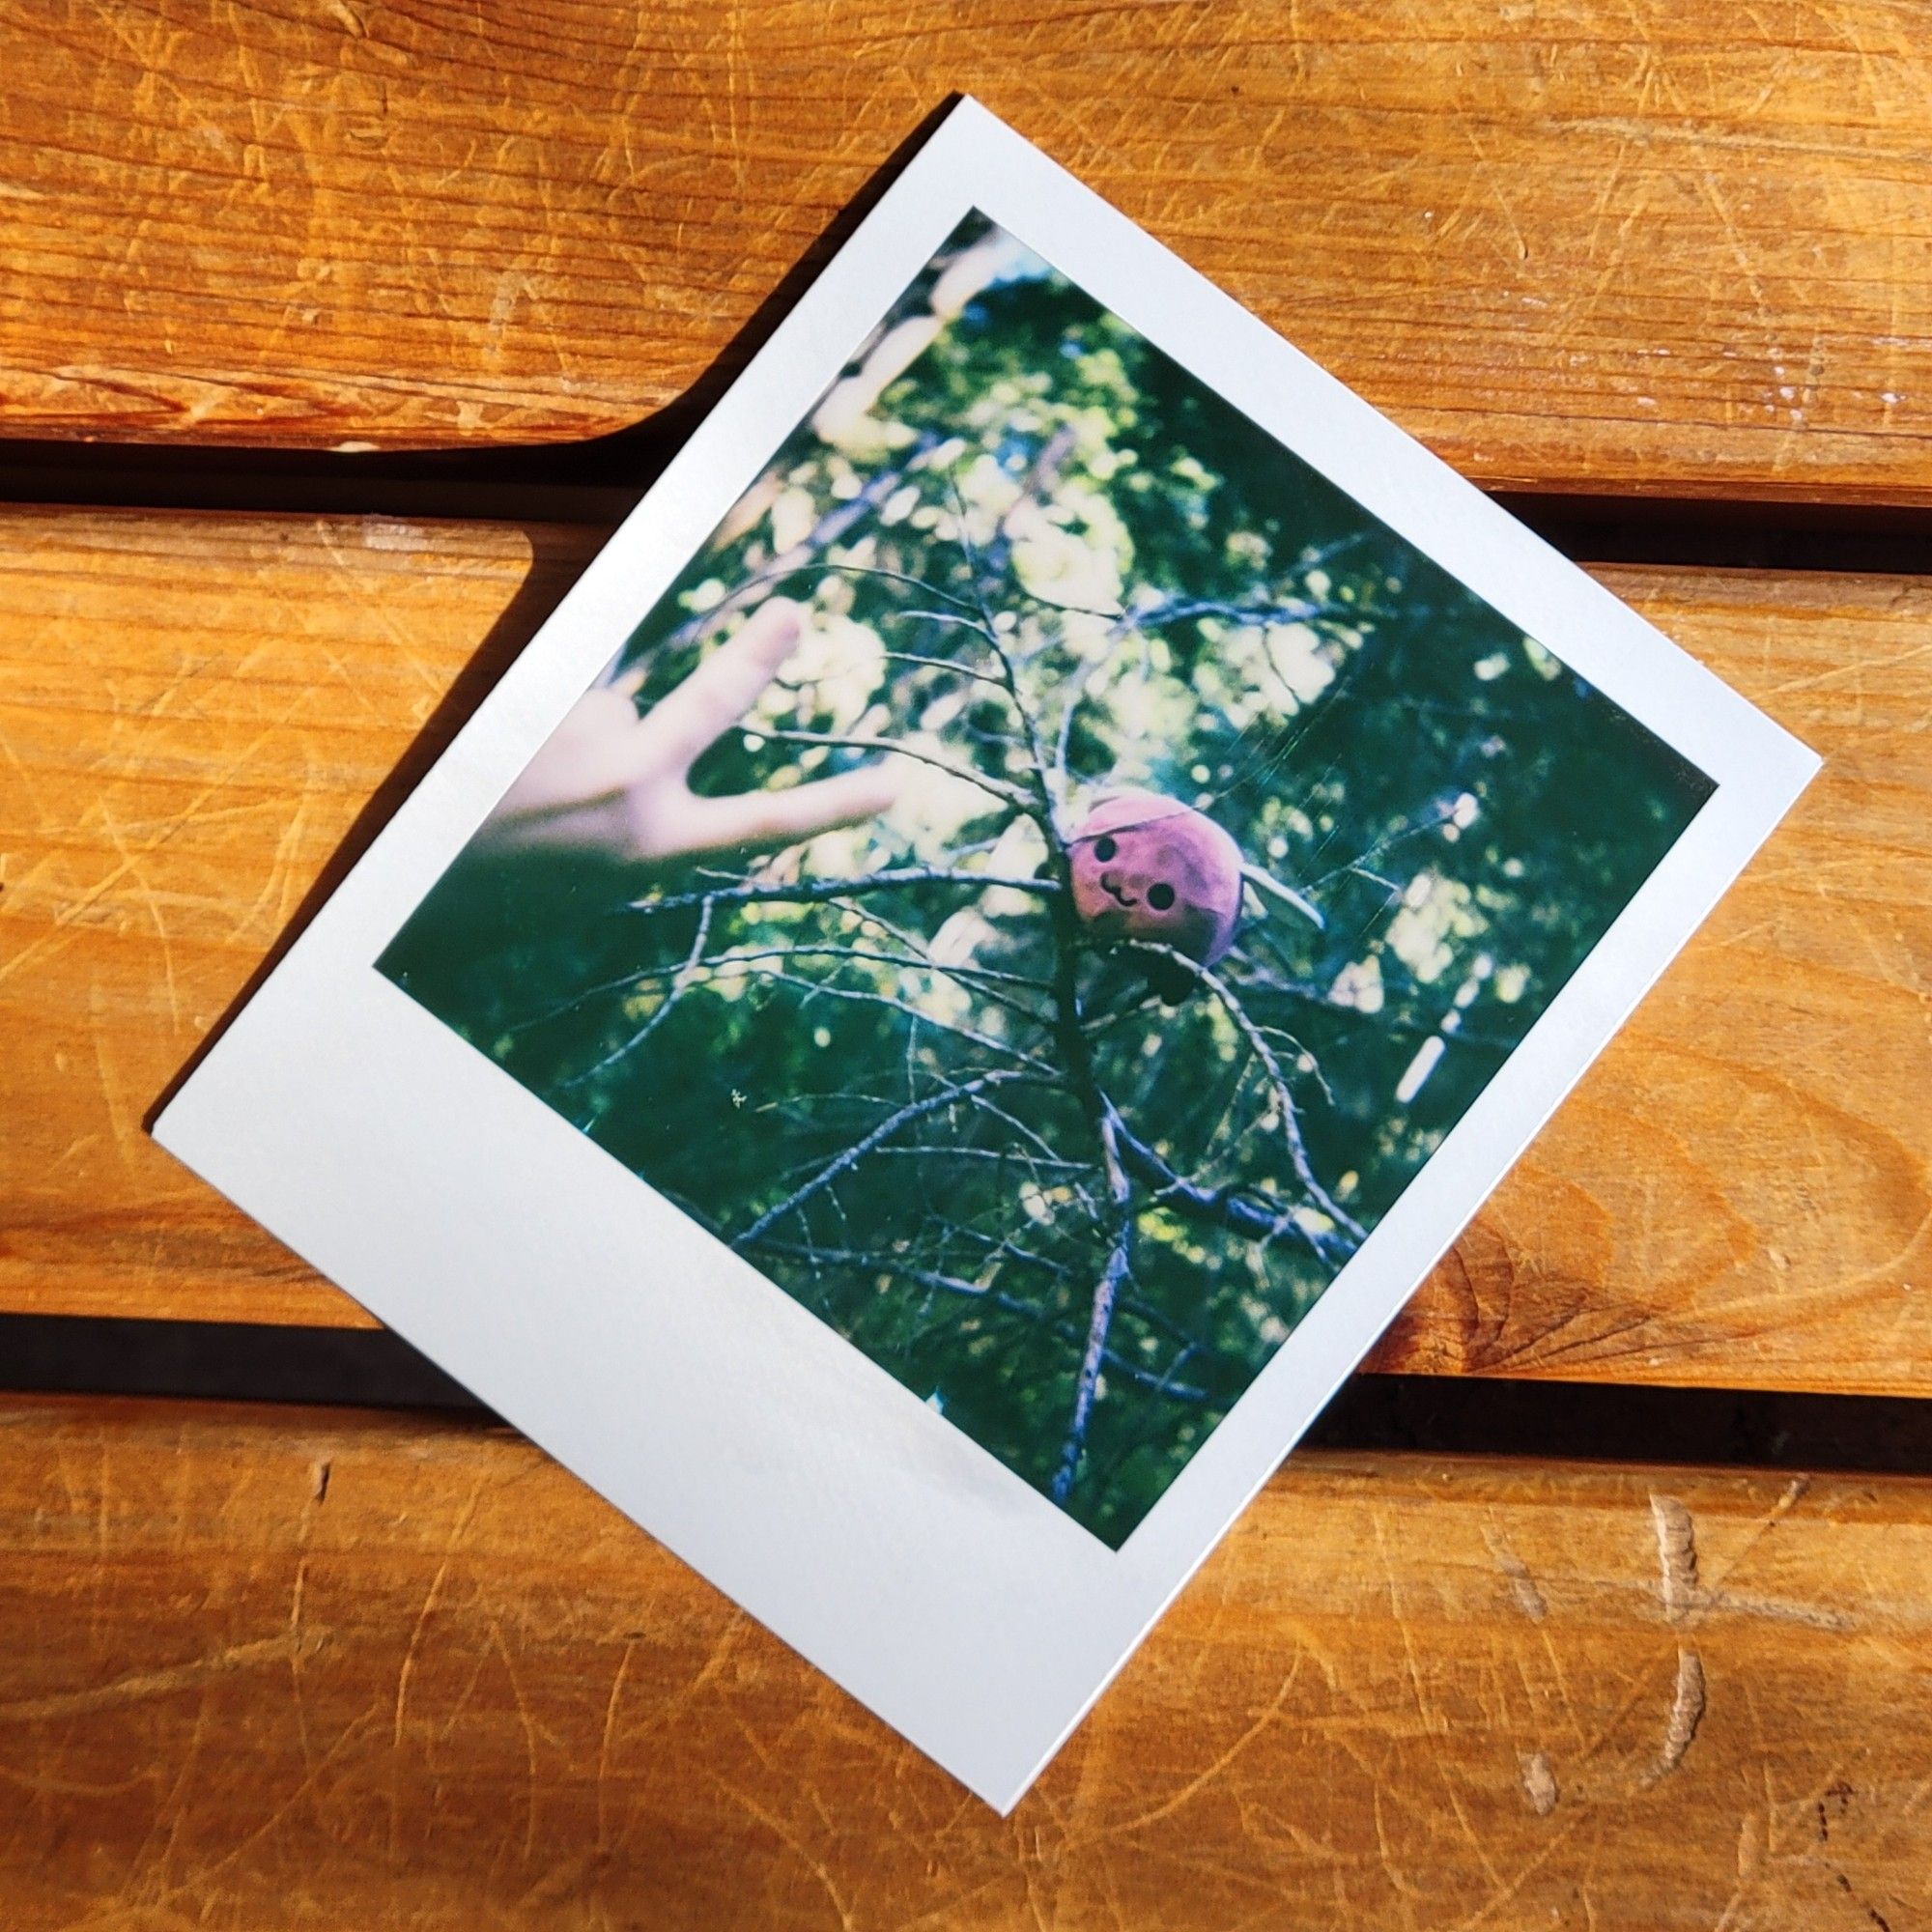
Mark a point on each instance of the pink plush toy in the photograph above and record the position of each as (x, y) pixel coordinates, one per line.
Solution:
(1149, 868)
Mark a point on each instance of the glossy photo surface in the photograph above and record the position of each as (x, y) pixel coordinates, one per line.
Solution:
(1047, 877)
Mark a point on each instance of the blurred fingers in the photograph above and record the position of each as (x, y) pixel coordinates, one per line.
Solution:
(685, 721)
(593, 753)
(771, 818)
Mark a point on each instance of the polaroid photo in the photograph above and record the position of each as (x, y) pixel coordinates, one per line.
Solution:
(985, 950)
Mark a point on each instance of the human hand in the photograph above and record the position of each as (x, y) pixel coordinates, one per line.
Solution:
(613, 786)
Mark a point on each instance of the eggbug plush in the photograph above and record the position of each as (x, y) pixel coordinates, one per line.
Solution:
(1149, 868)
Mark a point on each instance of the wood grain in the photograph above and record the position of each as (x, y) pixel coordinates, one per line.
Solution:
(1739, 1192)
(300, 1669)
(195, 712)
(1604, 244)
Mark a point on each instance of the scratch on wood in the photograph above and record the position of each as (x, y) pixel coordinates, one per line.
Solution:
(1528, 1597)
(603, 1746)
(408, 1664)
(143, 1684)
(1676, 1556)
(1687, 1713)
(1807, 1616)
(1202, 1779)
(1687, 1597)
(1539, 1782)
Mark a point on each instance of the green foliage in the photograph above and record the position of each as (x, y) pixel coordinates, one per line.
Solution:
(1045, 557)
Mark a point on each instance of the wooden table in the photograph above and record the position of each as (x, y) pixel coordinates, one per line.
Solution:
(262, 1665)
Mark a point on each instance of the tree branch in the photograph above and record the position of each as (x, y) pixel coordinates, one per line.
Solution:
(812, 990)
(1009, 1305)
(813, 891)
(660, 1012)
(835, 523)
(1106, 1292)
(916, 1110)
(1247, 1212)
(721, 964)
(1260, 877)
(1382, 845)
(1290, 1119)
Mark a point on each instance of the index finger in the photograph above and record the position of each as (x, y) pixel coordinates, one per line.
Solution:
(687, 721)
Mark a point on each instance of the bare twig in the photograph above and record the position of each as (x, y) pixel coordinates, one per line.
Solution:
(914, 1110)
(721, 963)
(837, 523)
(1009, 1305)
(661, 1011)
(1382, 845)
(1045, 467)
(1282, 611)
(991, 984)
(1106, 1291)
(1290, 1119)
(965, 1150)
(1264, 881)
(1256, 979)
(951, 665)
(1063, 744)
(1245, 1210)
(814, 892)
(812, 990)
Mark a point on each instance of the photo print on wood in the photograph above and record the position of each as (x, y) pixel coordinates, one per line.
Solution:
(1047, 877)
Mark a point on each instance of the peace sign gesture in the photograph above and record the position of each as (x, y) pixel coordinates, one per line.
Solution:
(608, 785)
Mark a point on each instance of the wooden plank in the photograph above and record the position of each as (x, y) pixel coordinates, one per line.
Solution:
(301, 1668)
(1616, 244)
(1741, 1191)
(195, 710)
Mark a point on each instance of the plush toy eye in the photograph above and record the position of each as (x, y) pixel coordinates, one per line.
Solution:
(1160, 896)
(1104, 848)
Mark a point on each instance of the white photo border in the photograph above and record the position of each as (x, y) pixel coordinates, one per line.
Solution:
(945, 1592)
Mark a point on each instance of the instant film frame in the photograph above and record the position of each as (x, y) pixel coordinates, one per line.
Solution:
(942, 1591)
